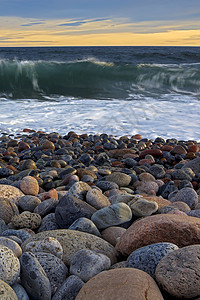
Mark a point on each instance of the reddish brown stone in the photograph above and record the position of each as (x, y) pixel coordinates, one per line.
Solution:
(112, 234)
(23, 146)
(117, 153)
(50, 194)
(190, 155)
(153, 152)
(120, 284)
(48, 145)
(146, 161)
(193, 148)
(137, 137)
(178, 150)
(29, 186)
(167, 148)
(178, 229)
(81, 172)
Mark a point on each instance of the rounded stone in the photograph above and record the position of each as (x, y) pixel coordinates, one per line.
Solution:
(20, 292)
(179, 272)
(106, 185)
(85, 225)
(34, 278)
(70, 208)
(143, 207)
(120, 283)
(180, 205)
(47, 245)
(7, 293)
(69, 288)
(86, 264)
(123, 197)
(79, 190)
(10, 192)
(147, 187)
(96, 199)
(54, 268)
(21, 234)
(29, 202)
(48, 223)
(12, 245)
(187, 195)
(46, 207)
(27, 220)
(157, 171)
(115, 214)
(8, 209)
(29, 186)
(177, 229)
(121, 179)
(112, 234)
(146, 177)
(3, 226)
(9, 265)
(73, 241)
(147, 258)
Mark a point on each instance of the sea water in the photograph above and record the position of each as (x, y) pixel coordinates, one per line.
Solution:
(154, 91)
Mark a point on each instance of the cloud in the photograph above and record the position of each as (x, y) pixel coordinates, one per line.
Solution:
(32, 24)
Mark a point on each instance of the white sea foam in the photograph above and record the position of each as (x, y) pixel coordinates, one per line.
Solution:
(177, 117)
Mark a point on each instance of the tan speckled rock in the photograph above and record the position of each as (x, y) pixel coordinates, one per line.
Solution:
(9, 265)
(10, 192)
(79, 190)
(120, 284)
(178, 229)
(27, 220)
(179, 272)
(7, 293)
(96, 199)
(121, 179)
(73, 241)
(29, 186)
(48, 245)
(159, 200)
(143, 207)
(12, 245)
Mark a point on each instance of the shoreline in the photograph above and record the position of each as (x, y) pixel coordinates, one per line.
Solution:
(88, 212)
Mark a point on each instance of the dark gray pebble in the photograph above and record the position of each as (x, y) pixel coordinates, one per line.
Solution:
(54, 268)
(22, 234)
(70, 208)
(85, 225)
(34, 278)
(69, 289)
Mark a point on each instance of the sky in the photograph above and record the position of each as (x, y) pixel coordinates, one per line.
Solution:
(99, 23)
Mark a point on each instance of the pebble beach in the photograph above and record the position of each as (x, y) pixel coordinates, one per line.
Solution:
(94, 216)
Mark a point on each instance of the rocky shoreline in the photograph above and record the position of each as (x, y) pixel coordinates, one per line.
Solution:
(98, 217)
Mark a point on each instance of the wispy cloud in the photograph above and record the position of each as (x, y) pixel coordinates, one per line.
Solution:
(32, 24)
(99, 31)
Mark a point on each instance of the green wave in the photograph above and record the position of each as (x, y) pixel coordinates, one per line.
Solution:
(94, 79)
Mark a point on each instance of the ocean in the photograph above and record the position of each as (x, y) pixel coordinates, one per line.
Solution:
(154, 91)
